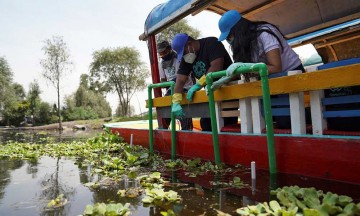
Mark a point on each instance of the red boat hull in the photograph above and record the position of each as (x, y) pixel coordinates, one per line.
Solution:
(331, 158)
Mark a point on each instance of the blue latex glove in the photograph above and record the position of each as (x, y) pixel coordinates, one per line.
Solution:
(177, 110)
(192, 90)
(230, 70)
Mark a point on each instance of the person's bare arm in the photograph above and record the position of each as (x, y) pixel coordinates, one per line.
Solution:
(274, 61)
(216, 65)
(180, 82)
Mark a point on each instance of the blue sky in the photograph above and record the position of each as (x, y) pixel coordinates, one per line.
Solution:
(86, 26)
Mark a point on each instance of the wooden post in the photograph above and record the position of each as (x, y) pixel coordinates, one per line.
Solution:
(257, 119)
(246, 123)
(297, 109)
(319, 123)
(220, 119)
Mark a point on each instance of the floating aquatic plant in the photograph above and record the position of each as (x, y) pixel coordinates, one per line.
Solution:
(235, 183)
(294, 200)
(130, 192)
(168, 213)
(57, 202)
(102, 209)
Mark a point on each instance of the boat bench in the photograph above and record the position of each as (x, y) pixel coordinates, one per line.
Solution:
(251, 111)
(336, 111)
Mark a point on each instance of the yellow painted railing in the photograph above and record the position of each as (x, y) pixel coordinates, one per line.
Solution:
(323, 79)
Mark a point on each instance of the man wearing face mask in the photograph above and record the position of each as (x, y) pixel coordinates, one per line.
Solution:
(198, 57)
(167, 69)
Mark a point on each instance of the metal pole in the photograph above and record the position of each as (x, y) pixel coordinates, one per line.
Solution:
(173, 128)
(215, 136)
(249, 67)
(151, 138)
(268, 115)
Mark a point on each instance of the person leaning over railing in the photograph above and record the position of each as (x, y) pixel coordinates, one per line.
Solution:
(254, 42)
(198, 57)
(168, 66)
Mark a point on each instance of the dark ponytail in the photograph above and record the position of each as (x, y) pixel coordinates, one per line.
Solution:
(246, 35)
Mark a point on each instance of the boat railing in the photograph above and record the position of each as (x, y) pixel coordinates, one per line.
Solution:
(170, 84)
(261, 68)
(250, 93)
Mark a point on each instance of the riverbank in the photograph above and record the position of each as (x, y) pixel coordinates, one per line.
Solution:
(77, 125)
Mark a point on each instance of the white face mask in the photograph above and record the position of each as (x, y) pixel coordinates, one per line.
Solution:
(190, 57)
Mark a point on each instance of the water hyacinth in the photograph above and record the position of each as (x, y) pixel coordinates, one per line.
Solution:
(298, 201)
(102, 209)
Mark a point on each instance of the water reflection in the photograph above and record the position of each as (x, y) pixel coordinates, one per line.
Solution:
(38, 136)
(27, 187)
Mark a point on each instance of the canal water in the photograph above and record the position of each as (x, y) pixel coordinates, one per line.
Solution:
(26, 187)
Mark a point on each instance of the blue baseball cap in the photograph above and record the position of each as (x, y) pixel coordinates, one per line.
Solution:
(178, 44)
(226, 22)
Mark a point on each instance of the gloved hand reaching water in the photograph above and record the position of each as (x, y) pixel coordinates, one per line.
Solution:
(199, 84)
(176, 107)
(192, 90)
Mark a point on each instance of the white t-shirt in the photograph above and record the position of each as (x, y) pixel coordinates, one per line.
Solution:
(169, 73)
(267, 42)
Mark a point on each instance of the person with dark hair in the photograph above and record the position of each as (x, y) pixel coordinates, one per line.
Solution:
(168, 66)
(254, 42)
(198, 57)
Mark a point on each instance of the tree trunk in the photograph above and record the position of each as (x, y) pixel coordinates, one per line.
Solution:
(59, 110)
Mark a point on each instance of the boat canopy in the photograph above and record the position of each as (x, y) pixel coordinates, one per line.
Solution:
(294, 17)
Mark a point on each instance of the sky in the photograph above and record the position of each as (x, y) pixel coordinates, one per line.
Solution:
(86, 26)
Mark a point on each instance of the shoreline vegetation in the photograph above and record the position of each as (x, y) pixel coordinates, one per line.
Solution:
(77, 124)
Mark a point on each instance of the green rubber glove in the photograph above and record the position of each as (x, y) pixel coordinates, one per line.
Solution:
(230, 70)
(177, 110)
(192, 90)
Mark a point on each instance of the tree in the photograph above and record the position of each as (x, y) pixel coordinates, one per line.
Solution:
(45, 115)
(34, 99)
(178, 27)
(120, 110)
(56, 64)
(19, 91)
(122, 71)
(86, 103)
(5, 80)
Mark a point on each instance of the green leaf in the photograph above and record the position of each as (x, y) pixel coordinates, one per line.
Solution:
(147, 199)
(275, 206)
(100, 208)
(243, 211)
(311, 212)
(88, 210)
(344, 200)
(155, 175)
(330, 199)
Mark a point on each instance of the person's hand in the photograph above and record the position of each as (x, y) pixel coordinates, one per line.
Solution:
(192, 90)
(232, 68)
(177, 110)
(222, 81)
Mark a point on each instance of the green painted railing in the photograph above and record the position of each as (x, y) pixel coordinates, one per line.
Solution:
(170, 84)
(262, 69)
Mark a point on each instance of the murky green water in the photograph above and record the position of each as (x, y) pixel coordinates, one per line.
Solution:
(27, 186)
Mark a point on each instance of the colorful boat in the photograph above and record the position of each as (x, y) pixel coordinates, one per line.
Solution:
(315, 149)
